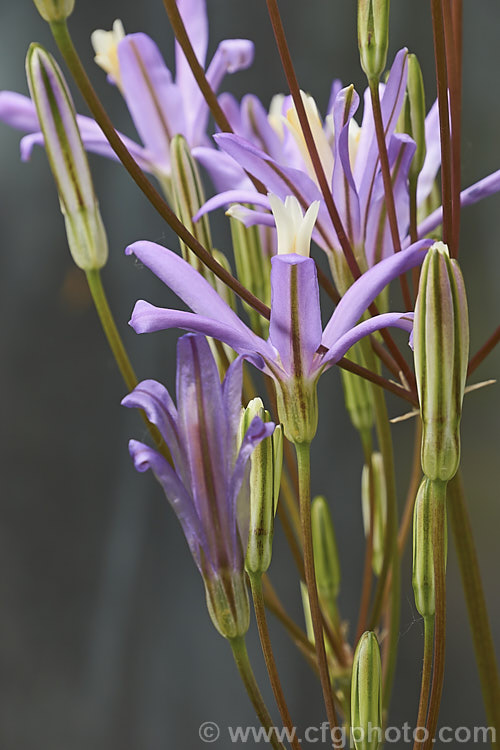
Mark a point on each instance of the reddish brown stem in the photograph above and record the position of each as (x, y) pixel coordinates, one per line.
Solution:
(483, 352)
(452, 16)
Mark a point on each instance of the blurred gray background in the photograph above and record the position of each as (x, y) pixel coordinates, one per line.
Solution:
(105, 642)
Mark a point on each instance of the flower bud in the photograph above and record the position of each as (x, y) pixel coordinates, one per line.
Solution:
(68, 161)
(326, 558)
(366, 694)
(429, 495)
(227, 602)
(441, 349)
(306, 606)
(373, 36)
(253, 267)
(415, 108)
(358, 393)
(55, 10)
(379, 507)
(265, 477)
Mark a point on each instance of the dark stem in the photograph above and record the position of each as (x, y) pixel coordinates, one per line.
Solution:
(483, 352)
(452, 16)
(479, 622)
(68, 51)
(377, 379)
(242, 661)
(303, 463)
(444, 117)
(387, 180)
(265, 641)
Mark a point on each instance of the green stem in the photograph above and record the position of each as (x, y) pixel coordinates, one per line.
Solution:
(439, 542)
(242, 661)
(391, 556)
(426, 675)
(109, 326)
(476, 603)
(304, 470)
(272, 670)
(65, 44)
(119, 352)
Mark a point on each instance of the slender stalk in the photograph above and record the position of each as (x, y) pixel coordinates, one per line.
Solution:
(483, 352)
(452, 17)
(439, 540)
(367, 570)
(476, 602)
(265, 641)
(444, 117)
(118, 349)
(391, 560)
(426, 676)
(387, 180)
(242, 661)
(304, 469)
(377, 379)
(275, 606)
(64, 42)
(416, 473)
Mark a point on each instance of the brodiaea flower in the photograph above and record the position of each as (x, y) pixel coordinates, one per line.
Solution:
(208, 484)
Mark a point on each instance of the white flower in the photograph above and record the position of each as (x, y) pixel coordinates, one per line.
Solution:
(105, 44)
(293, 227)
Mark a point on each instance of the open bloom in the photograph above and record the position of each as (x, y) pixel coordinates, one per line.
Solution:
(208, 483)
(298, 350)
(160, 107)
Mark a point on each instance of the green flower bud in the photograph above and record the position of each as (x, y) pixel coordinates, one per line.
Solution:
(358, 394)
(265, 476)
(366, 694)
(68, 161)
(441, 350)
(373, 36)
(227, 602)
(429, 495)
(306, 606)
(326, 558)
(416, 114)
(253, 268)
(379, 508)
(55, 10)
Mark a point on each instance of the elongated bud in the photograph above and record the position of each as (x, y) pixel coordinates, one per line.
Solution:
(373, 36)
(265, 476)
(55, 10)
(227, 602)
(68, 161)
(358, 393)
(253, 268)
(306, 606)
(415, 107)
(441, 350)
(379, 507)
(429, 496)
(326, 558)
(366, 694)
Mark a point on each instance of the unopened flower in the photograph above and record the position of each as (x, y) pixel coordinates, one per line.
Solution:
(373, 36)
(366, 694)
(207, 486)
(55, 10)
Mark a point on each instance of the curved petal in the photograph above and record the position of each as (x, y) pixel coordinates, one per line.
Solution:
(231, 396)
(365, 289)
(224, 172)
(194, 17)
(386, 320)
(257, 128)
(343, 187)
(233, 196)
(432, 162)
(147, 318)
(146, 458)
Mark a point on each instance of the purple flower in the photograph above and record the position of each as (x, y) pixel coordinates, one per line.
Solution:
(298, 350)
(208, 484)
(160, 107)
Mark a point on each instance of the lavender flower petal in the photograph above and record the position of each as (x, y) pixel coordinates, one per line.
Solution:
(386, 320)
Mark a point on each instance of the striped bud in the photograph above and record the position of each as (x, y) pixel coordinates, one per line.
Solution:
(415, 108)
(55, 10)
(358, 394)
(429, 495)
(366, 694)
(326, 558)
(265, 477)
(379, 507)
(373, 36)
(441, 349)
(68, 161)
